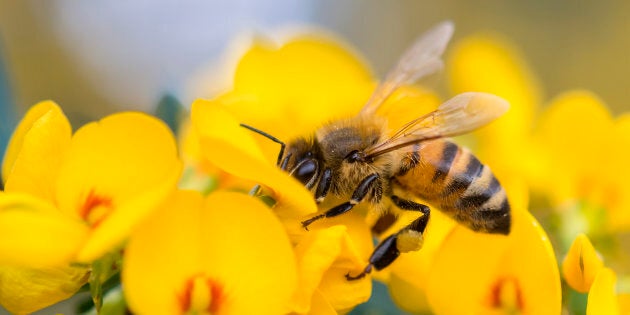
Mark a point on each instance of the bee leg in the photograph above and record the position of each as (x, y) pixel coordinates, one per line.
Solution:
(407, 239)
(324, 186)
(359, 193)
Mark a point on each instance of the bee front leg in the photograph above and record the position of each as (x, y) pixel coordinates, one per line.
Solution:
(371, 181)
(408, 239)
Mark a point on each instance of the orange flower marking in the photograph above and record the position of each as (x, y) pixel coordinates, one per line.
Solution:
(95, 209)
(201, 295)
(506, 295)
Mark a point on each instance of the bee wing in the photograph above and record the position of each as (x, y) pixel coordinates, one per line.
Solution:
(460, 114)
(422, 59)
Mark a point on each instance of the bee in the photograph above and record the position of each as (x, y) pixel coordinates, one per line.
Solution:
(358, 160)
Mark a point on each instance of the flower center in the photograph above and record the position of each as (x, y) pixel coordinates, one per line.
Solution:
(201, 296)
(506, 296)
(95, 209)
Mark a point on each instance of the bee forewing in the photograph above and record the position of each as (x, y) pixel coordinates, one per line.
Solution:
(460, 114)
(422, 59)
(468, 111)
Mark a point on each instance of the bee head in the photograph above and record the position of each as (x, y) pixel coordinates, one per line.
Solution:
(302, 161)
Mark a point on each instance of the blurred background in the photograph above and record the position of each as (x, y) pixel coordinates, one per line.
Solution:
(98, 57)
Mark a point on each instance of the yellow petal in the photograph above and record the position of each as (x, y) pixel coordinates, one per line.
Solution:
(624, 302)
(321, 306)
(24, 290)
(233, 149)
(602, 298)
(36, 150)
(581, 264)
(487, 63)
(230, 239)
(325, 256)
(616, 196)
(308, 80)
(34, 233)
(477, 273)
(173, 231)
(572, 131)
(117, 170)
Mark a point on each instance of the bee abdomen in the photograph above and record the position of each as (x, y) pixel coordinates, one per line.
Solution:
(483, 205)
(454, 180)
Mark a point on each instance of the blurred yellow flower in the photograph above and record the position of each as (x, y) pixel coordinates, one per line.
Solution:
(585, 272)
(224, 254)
(581, 264)
(74, 198)
(580, 140)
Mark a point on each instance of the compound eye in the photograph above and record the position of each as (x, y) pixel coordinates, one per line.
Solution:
(306, 172)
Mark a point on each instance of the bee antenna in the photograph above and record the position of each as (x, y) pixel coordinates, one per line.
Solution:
(270, 137)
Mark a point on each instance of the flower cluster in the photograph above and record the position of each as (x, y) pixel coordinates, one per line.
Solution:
(185, 228)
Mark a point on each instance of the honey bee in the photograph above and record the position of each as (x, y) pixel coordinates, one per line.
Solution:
(359, 160)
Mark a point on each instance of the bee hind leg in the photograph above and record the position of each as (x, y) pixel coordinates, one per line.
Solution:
(409, 238)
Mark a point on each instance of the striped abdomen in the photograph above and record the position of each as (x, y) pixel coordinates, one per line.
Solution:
(452, 179)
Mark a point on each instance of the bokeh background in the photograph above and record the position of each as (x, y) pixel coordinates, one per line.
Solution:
(98, 57)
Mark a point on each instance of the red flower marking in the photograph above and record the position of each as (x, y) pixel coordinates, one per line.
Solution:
(499, 286)
(215, 292)
(93, 202)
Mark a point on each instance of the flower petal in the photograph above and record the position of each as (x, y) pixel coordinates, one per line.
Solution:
(36, 151)
(24, 290)
(325, 256)
(574, 121)
(602, 298)
(233, 149)
(34, 233)
(581, 265)
(117, 170)
(173, 231)
(616, 196)
(333, 83)
(231, 239)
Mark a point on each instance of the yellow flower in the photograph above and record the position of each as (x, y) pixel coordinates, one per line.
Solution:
(224, 254)
(74, 198)
(581, 264)
(477, 273)
(585, 272)
(590, 149)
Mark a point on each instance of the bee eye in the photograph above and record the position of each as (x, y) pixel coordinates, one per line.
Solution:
(306, 172)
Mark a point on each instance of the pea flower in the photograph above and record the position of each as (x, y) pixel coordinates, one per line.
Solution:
(70, 200)
(593, 160)
(224, 254)
(583, 269)
(581, 264)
